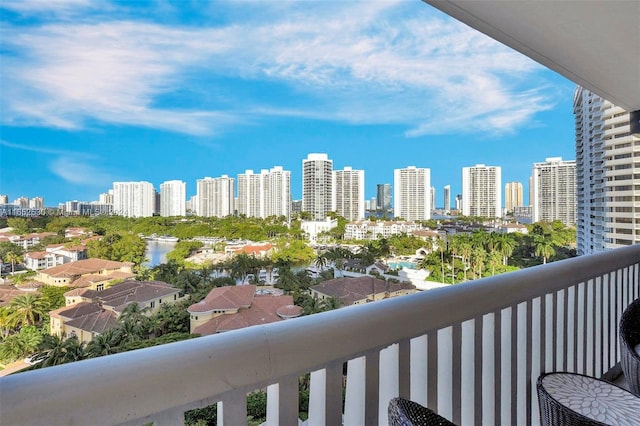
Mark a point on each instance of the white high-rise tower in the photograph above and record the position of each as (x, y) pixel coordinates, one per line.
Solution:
(173, 198)
(554, 191)
(265, 194)
(134, 199)
(412, 197)
(481, 191)
(608, 216)
(349, 193)
(215, 196)
(317, 185)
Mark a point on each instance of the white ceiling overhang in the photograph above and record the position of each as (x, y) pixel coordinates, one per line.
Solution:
(596, 44)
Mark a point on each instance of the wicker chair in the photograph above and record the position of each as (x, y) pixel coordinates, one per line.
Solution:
(403, 412)
(629, 338)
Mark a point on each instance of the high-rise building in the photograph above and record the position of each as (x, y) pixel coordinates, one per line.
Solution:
(22, 202)
(134, 199)
(251, 192)
(433, 198)
(482, 191)
(317, 185)
(106, 197)
(447, 198)
(373, 204)
(4, 199)
(554, 191)
(173, 198)
(513, 194)
(459, 202)
(608, 215)
(215, 196)
(588, 109)
(412, 199)
(278, 193)
(384, 197)
(265, 194)
(36, 203)
(348, 189)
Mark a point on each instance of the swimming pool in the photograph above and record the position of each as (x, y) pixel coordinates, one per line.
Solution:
(402, 264)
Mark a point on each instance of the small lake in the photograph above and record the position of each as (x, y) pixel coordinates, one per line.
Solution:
(157, 252)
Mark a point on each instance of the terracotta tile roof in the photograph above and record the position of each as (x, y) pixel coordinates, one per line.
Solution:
(29, 286)
(82, 292)
(350, 290)
(36, 255)
(231, 297)
(289, 311)
(8, 292)
(263, 310)
(425, 233)
(120, 295)
(84, 267)
(96, 322)
(76, 311)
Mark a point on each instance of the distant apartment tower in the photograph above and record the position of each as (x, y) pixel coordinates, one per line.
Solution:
(173, 198)
(265, 194)
(459, 202)
(134, 199)
(412, 198)
(278, 193)
(36, 203)
(384, 196)
(554, 191)
(513, 194)
(447, 198)
(317, 185)
(21, 202)
(106, 197)
(4, 199)
(433, 198)
(608, 214)
(348, 189)
(251, 193)
(481, 191)
(215, 196)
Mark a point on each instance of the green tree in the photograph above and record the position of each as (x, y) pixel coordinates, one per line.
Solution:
(13, 258)
(543, 247)
(19, 345)
(505, 245)
(102, 344)
(26, 309)
(20, 225)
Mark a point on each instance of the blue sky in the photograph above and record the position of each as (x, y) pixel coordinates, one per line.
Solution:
(95, 91)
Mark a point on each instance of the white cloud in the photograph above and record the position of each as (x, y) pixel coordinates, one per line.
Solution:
(79, 171)
(359, 62)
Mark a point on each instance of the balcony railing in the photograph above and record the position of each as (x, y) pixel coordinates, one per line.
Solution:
(471, 351)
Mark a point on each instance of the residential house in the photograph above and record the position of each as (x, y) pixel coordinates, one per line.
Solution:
(88, 313)
(54, 255)
(356, 291)
(25, 241)
(233, 307)
(93, 273)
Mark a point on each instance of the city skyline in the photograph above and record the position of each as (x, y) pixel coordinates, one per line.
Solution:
(95, 93)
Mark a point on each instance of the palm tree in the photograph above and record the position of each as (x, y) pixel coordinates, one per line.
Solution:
(505, 245)
(12, 258)
(26, 310)
(331, 304)
(321, 261)
(543, 247)
(5, 322)
(102, 344)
